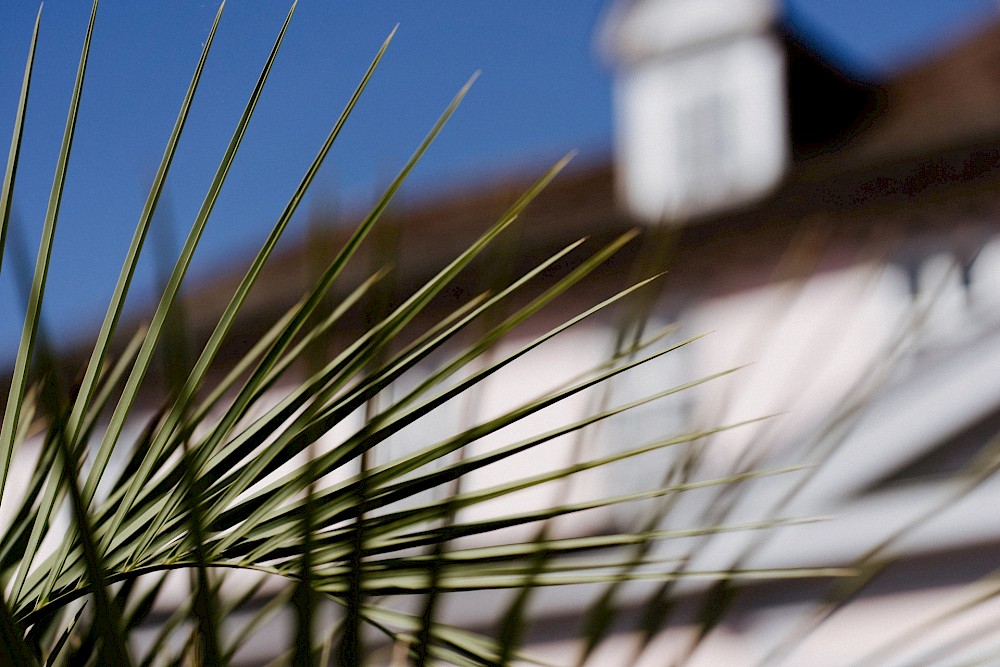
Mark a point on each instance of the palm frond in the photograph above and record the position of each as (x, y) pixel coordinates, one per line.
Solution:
(260, 479)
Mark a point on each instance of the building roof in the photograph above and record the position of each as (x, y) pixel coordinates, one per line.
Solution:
(949, 101)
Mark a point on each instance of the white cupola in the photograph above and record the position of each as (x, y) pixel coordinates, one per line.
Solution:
(700, 105)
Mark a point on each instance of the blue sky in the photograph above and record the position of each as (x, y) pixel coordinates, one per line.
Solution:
(542, 93)
(873, 38)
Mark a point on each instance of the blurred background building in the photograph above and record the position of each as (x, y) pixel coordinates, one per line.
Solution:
(839, 234)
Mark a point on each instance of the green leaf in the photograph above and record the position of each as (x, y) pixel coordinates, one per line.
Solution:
(19, 379)
(123, 409)
(7, 190)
